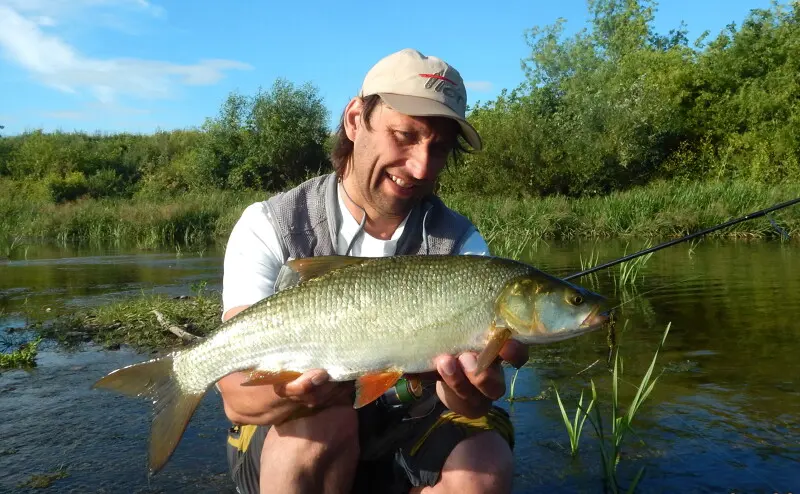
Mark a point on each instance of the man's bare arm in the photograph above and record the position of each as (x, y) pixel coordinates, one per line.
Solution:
(272, 404)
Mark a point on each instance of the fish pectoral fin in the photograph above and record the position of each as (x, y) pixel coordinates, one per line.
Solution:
(312, 267)
(371, 386)
(497, 337)
(261, 378)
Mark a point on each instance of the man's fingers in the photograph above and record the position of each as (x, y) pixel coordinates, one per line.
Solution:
(515, 353)
(451, 374)
(314, 388)
(305, 384)
(489, 383)
(454, 374)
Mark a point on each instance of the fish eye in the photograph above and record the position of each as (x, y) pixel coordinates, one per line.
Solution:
(576, 300)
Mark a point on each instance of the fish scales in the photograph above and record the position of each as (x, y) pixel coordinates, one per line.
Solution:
(366, 318)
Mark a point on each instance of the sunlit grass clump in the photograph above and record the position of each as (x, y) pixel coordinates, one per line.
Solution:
(23, 356)
(611, 440)
(135, 321)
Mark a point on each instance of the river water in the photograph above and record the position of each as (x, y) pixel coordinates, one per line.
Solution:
(723, 415)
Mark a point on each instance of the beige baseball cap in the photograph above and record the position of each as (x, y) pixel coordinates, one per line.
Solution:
(421, 86)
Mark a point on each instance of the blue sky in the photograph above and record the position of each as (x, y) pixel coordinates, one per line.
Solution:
(143, 65)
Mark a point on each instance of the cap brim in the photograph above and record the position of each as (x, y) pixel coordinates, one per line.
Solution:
(423, 107)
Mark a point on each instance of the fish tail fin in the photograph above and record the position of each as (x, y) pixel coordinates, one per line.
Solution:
(156, 381)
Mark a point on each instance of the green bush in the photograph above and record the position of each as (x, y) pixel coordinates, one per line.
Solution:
(67, 188)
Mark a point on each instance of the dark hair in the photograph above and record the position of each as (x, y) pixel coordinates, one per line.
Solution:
(342, 148)
(342, 145)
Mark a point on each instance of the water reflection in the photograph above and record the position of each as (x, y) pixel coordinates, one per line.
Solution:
(723, 417)
(63, 278)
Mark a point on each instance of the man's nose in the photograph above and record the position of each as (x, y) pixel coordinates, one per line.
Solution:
(418, 162)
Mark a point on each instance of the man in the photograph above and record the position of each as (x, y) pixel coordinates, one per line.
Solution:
(393, 140)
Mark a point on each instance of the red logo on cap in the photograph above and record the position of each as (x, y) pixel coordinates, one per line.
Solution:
(438, 76)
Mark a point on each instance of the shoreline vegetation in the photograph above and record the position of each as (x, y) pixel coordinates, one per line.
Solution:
(616, 130)
(658, 210)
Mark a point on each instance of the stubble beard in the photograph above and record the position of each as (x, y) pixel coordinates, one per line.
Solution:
(384, 203)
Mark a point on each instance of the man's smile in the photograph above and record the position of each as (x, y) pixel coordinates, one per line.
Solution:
(400, 182)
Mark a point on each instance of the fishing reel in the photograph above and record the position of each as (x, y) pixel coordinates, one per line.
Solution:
(404, 392)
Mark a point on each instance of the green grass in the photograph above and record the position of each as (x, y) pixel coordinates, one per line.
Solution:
(621, 423)
(575, 428)
(627, 273)
(189, 220)
(661, 209)
(46, 480)
(24, 356)
(511, 391)
(132, 321)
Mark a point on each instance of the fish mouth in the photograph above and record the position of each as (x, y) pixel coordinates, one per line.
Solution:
(595, 319)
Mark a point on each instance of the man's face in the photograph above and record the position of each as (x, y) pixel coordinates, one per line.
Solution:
(398, 161)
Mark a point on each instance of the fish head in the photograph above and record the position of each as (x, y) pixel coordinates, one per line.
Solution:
(542, 309)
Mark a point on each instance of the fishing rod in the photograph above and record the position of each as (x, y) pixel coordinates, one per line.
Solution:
(746, 217)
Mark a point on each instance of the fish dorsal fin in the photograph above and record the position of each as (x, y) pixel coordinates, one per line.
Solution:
(313, 267)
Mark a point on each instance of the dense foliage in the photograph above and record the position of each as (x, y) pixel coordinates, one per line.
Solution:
(613, 106)
(619, 105)
(267, 142)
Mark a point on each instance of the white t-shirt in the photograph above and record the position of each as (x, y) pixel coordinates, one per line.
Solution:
(253, 255)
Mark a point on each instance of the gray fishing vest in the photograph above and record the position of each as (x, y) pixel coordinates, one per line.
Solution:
(306, 221)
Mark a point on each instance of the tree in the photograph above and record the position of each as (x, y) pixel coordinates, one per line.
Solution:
(269, 141)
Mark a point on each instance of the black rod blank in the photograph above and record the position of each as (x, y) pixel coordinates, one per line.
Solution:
(746, 217)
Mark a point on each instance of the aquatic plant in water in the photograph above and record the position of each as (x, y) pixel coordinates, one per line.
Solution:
(24, 356)
(628, 271)
(621, 424)
(574, 429)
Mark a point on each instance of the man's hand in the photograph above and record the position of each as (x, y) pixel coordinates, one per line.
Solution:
(276, 403)
(313, 389)
(515, 353)
(471, 395)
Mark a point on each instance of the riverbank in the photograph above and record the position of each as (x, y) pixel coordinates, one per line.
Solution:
(659, 210)
(190, 221)
(149, 322)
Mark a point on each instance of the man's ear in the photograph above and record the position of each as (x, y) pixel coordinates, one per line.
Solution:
(352, 118)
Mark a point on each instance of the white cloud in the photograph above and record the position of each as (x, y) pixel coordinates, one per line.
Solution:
(52, 61)
(154, 10)
(75, 8)
(43, 20)
(479, 85)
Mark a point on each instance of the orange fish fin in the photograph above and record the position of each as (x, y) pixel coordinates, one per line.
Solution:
(312, 267)
(260, 378)
(371, 386)
(497, 337)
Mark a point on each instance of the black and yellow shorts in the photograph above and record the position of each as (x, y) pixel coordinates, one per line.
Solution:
(409, 453)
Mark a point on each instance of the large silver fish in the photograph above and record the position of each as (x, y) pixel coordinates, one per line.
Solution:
(365, 319)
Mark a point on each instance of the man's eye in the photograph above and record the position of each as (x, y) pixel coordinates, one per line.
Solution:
(404, 136)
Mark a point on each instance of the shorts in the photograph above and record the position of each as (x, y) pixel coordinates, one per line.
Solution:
(397, 453)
